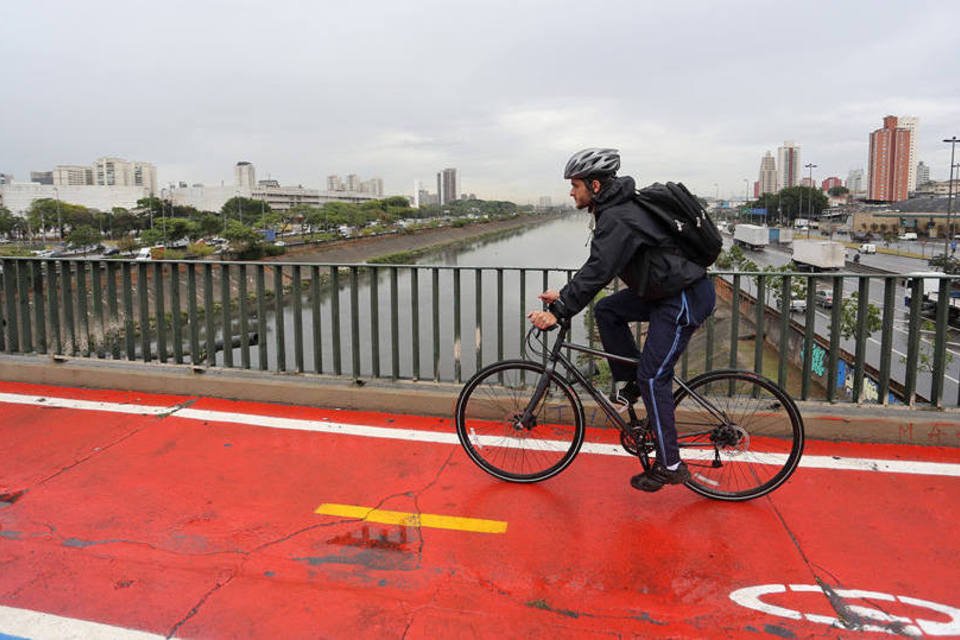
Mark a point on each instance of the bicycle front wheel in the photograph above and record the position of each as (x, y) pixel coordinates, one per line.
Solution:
(740, 434)
(489, 425)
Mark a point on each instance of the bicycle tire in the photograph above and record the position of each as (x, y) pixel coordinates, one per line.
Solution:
(486, 418)
(750, 453)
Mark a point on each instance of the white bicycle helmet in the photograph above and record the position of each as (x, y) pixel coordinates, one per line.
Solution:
(592, 162)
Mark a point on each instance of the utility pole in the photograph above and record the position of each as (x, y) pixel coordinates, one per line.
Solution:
(811, 167)
(946, 242)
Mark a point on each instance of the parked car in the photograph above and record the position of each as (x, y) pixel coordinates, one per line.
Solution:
(824, 298)
(798, 305)
(867, 247)
(910, 235)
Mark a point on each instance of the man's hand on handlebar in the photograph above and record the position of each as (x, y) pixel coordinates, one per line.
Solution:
(544, 320)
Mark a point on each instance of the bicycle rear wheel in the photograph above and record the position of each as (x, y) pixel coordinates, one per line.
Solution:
(488, 422)
(740, 434)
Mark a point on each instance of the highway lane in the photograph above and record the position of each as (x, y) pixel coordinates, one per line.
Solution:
(774, 256)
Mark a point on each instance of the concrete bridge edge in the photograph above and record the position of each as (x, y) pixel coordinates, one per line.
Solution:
(841, 421)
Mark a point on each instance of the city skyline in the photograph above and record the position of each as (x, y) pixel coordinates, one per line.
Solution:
(388, 91)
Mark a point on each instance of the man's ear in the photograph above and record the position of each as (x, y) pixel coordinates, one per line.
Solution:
(595, 186)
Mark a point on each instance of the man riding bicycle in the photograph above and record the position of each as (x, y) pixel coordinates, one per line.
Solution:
(665, 289)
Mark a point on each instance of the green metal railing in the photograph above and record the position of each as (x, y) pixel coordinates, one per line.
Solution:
(443, 323)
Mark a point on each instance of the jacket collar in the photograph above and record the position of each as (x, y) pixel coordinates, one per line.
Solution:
(617, 191)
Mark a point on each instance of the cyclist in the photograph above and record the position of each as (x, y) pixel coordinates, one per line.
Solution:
(665, 289)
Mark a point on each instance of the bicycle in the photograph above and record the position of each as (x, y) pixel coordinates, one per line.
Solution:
(740, 434)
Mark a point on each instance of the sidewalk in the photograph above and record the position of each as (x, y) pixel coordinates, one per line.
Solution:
(133, 515)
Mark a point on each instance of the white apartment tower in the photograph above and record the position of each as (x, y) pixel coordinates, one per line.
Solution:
(912, 123)
(855, 181)
(923, 173)
(117, 172)
(246, 175)
(788, 165)
(768, 174)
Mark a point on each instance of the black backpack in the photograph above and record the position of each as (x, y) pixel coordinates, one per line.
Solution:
(679, 211)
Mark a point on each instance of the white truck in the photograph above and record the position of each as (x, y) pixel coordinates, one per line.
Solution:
(819, 255)
(751, 236)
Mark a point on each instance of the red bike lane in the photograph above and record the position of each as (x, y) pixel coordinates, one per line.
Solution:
(206, 518)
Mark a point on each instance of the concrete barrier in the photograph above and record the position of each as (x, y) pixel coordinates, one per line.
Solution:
(840, 421)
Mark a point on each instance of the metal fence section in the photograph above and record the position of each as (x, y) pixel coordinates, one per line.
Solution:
(444, 323)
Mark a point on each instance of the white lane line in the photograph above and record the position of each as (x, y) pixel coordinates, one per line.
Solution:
(439, 437)
(35, 625)
(84, 405)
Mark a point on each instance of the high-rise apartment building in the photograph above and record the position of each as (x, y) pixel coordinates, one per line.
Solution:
(353, 182)
(768, 174)
(855, 181)
(911, 123)
(830, 183)
(373, 186)
(246, 175)
(788, 165)
(923, 173)
(117, 172)
(6, 178)
(41, 177)
(889, 162)
(70, 175)
(447, 186)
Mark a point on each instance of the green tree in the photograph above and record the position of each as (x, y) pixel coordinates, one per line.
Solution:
(241, 237)
(83, 236)
(8, 222)
(244, 210)
(838, 191)
(849, 316)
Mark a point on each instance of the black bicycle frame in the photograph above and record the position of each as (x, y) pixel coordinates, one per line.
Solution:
(556, 356)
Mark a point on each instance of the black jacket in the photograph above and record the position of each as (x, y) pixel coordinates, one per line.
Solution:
(629, 243)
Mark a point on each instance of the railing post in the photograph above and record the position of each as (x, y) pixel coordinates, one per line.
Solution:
(297, 295)
(355, 321)
(939, 345)
(39, 314)
(786, 289)
(833, 360)
(280, 325)
(415, 319)
(193, 314)
(10, 293)
(99, 328)
(261, 284)
(760, 320)
(810, 323)
(913, 342)
(886, 338)
(176, 312)
(226, 315)
(128, 319)
(160, 312)
(23, 286)
(244, 311)
(335, 318)
(863, 305)
(317, 333)
(394, 324)
(457, 344)
(435, 293)
(208, 314)
(374, 275)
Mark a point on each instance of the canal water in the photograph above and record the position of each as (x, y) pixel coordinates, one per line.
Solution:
(488, 271)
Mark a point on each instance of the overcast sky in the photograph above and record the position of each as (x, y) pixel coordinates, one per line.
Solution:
(504, 90)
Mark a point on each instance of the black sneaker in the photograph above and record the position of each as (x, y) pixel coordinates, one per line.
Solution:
(627, 395)
(658, 476)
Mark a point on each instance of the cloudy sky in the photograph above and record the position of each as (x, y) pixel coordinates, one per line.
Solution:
(504, 90)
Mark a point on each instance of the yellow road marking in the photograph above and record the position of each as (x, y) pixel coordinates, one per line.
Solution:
(430, 520)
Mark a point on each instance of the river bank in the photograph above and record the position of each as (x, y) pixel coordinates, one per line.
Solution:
(378, 247)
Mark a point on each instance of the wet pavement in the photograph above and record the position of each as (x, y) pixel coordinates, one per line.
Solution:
(129, 515)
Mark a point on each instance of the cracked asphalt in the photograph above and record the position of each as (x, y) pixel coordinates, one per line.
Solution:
(192, 517)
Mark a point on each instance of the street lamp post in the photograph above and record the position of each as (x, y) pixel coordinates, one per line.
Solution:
(946, 243)
(811, 167)
(59, 217)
